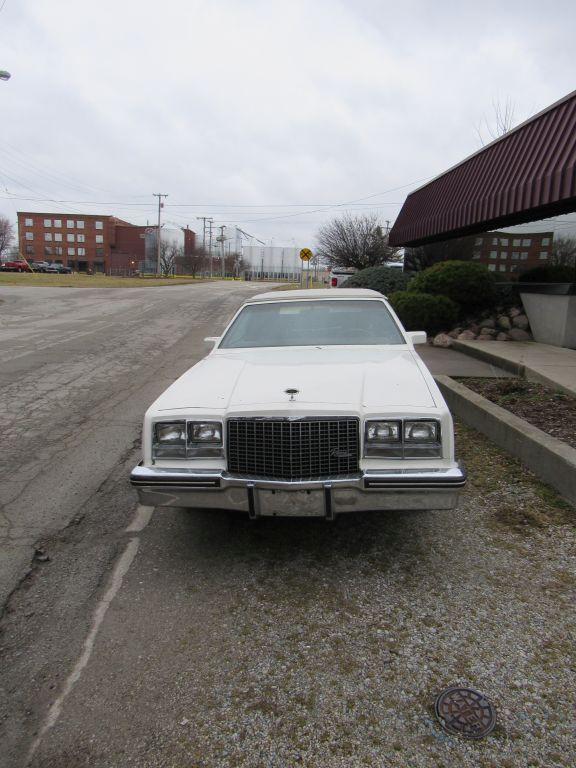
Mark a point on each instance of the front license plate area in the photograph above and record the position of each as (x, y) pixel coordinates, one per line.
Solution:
(291, 503)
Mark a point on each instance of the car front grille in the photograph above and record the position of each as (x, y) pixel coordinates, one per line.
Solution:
(293, 449)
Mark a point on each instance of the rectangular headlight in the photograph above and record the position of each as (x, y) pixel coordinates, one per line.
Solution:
(205, 432)
(169, 439)
(409, 439)
(421, 431)
(187, 440)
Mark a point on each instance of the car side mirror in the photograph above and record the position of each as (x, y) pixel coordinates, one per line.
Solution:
(212, 340)
(417, 337)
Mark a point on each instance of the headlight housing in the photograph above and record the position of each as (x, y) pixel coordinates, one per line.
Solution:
(405, 439)
(187, 439)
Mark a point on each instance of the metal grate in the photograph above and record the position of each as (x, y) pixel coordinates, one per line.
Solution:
(293, 449)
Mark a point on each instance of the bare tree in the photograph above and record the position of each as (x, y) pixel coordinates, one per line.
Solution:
(193, 263)
(6, 235)
(354, 241)
(502, 122)
(423, 256)
(564, 251)
(169, 252)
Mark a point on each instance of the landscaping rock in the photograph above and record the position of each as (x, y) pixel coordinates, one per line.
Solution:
(455, 333)
(466, 336)
(514, 312)
(502, 336)
(504, 323)
(521, 321)
(487, 331)
(484, 337)
(442, 340)
(473, 328)
(517, 334)
(488, 322)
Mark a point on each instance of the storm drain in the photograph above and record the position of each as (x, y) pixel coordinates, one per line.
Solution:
(465, 712)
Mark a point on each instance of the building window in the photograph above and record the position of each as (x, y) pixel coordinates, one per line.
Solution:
(476, 255)
(523, 256)
(70, 223)
(516, 242)
(28, 222)
(494, 241)
(47, 222)
(57, 222)
(543, 254)
(58, 250)
(527, 242)
(99, 224)
(99, 238)
(29, 235)
(81, 251)
(80, 238)
(99, 251)
(478, 241)
(504, 241)
(493, 254)
(71, 251)
(515, 255)
(492, 267)
(545, 241)
(503, 254)
(502, 267)
(48, 236)
(70, 238)
(514, 268)
(80, 224)
(58, 237)
(30, 250)
(47, 250)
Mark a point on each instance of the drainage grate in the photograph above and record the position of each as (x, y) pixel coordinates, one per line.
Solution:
(465, 712)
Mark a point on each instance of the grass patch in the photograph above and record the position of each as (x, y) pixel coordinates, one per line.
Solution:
(40, 280)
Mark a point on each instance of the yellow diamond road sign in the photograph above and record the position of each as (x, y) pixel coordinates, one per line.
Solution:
(305, 254)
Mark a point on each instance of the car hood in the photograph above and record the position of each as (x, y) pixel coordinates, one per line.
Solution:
(363, 378)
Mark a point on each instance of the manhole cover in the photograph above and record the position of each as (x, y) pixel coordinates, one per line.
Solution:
(465, 712)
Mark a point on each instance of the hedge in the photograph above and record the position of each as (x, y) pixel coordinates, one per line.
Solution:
(467, 283)
(385, 280)
(424, 311)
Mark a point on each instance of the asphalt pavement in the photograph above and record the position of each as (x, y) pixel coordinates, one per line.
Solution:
(168, 637)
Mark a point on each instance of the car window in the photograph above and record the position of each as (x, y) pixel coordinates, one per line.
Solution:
(313, 323)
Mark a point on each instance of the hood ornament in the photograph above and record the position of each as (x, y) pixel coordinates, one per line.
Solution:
(291, 392)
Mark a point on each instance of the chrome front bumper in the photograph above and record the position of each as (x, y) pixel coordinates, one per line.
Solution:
(395, 489)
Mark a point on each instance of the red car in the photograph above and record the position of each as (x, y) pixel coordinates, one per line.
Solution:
(15, 266)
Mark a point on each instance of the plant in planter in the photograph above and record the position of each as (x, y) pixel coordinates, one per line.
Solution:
(548, 294)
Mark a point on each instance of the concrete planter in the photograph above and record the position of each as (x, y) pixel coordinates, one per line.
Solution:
(551, 310)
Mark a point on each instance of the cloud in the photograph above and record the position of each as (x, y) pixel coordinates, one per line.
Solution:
(260, 104)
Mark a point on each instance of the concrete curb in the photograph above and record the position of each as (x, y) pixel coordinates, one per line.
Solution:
(519, 369)
(550, 459)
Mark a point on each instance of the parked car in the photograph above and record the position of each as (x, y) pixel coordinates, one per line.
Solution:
(339, 275)
(39, 266)
(59, 269)
(311, 403)
(15, 266)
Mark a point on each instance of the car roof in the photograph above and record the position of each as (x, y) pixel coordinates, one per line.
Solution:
(316, 293)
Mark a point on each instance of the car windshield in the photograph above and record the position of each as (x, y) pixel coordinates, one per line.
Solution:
(313, 323)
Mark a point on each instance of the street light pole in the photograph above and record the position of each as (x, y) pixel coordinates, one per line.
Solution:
(159, 195)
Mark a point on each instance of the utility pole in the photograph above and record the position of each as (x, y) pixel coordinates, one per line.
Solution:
(210, 225)
(159, 195)
(222, 241)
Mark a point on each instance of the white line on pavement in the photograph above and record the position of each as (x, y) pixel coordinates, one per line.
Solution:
(140, 521)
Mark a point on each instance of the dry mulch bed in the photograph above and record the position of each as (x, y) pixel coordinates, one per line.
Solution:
(551, 411)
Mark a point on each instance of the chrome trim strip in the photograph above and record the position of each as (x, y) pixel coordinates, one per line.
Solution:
(188, 479)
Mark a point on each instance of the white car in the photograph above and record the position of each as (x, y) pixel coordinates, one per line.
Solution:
(311, 403)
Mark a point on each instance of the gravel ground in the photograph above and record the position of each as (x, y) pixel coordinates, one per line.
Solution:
(551, 411)
(304, 643)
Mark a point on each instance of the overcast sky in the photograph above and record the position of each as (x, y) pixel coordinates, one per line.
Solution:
(260, 112)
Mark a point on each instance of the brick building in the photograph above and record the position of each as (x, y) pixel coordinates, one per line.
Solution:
(88, 242)
(511, 253)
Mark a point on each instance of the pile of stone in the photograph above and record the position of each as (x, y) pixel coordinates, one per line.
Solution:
(506, 325)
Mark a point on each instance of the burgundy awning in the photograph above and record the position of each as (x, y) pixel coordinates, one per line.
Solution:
(525, 175)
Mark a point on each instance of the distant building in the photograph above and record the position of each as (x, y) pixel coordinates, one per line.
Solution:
(272, 261)
(511, 253)
(93, 242)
